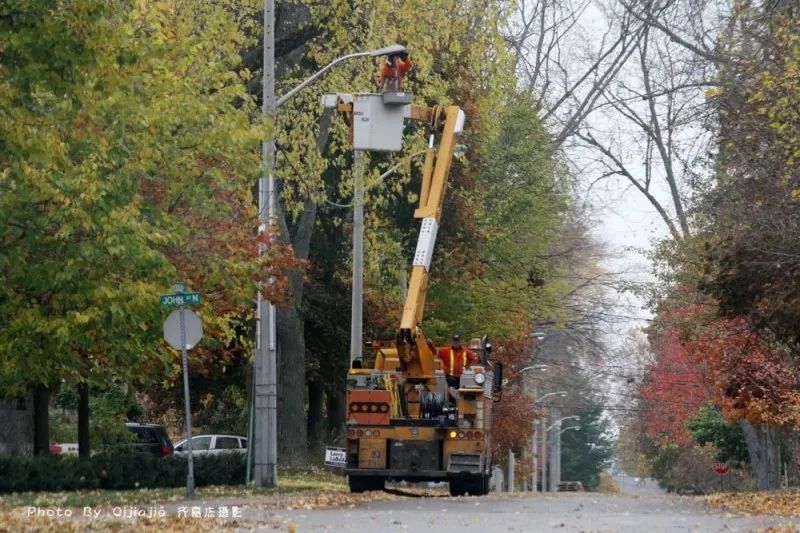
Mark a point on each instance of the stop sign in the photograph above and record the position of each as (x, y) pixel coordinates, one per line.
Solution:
(721, 468)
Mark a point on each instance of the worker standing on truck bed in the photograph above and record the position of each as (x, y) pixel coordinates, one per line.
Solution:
(455, 359)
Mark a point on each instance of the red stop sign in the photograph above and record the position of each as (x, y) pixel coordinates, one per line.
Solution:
(721, 468)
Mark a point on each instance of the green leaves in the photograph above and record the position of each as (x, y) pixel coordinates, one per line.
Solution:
(121, 154)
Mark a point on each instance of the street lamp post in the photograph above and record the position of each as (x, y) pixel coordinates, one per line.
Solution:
(558, 453)
(265, 377)
(535, 466)
(534, 442)
(555, 455)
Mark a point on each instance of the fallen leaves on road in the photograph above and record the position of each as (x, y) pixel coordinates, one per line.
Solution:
(13, 521)
(782, 503)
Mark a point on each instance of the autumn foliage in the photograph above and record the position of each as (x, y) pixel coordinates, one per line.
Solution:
(752, 377)
(702, 359)
(677, 385)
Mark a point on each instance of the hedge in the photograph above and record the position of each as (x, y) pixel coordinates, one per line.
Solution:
(116, 471)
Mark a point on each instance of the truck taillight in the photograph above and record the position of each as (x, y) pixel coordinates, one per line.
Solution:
(359, 433)
(478, 434)
(351, 433)
(469, 434)
(165, 450)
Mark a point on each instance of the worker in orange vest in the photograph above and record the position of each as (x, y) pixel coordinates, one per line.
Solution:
(455, 359)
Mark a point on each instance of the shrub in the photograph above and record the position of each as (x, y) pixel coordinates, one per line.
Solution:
(607, 484)
(117, 470)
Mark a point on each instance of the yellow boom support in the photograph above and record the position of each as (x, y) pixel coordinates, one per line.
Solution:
(417, 359)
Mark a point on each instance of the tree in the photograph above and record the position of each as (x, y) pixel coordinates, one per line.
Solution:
(458, 62)
(586, 451)
(131, 151)
(709, 427)
(675, 387)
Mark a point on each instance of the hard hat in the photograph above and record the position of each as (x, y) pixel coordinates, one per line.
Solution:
(456, 337)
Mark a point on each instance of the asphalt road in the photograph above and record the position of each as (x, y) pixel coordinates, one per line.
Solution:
(636, 509)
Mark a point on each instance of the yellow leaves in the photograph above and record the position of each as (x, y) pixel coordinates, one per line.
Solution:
(81, 318)
(784, 503)
(711, 92)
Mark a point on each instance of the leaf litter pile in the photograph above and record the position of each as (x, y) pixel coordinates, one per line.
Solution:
(782, 503)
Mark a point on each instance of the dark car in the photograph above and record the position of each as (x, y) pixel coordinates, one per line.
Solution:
(151, 438)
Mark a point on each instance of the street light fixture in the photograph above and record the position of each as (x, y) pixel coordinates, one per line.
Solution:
(560, 394)
(385, 51)
(533, 367)
(568, 428)
(557, 422)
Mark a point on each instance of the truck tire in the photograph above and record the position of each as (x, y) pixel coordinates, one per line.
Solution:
(365, 483)
(474, 486)
(486, 480)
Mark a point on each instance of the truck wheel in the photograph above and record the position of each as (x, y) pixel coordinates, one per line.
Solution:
(365, 483)
(458, 487)
(486, 485)
(474, 486)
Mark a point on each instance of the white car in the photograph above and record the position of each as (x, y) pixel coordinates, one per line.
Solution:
(212, 445)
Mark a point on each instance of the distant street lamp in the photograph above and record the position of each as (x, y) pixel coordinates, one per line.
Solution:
(555, 460)
(560, 394)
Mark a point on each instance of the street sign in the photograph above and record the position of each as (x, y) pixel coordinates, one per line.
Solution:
(335, 456)
(180, 299)
(172, 329)
(721, 468)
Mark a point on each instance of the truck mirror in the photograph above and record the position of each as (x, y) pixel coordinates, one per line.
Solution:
(486, 349)
(498, 376)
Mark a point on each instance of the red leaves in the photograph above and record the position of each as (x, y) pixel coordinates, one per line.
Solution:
(723, 360)
(513, 416)
(676, 386)
(752, 376)
(512, 424)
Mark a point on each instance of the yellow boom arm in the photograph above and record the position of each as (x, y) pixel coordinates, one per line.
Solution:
(411, 344)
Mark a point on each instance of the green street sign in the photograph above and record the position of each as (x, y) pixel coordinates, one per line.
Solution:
(179, 299)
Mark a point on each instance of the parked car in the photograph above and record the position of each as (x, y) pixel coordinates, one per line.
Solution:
(152, 438)
(70, 448)
(212, 445)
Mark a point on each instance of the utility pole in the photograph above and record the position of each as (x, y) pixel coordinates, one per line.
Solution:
(265, 443)
(356, 308)
(552, 453)
(543, 423)
(534, 451)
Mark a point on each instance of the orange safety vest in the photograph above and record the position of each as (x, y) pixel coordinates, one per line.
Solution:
(452, 361)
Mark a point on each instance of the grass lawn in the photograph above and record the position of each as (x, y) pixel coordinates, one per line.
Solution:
(289, 481)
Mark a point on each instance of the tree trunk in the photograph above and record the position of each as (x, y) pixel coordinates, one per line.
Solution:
(762, 447)
(335, 408)
(83, 420)
(292, 431)
(292, 436)
(315, 416)
(41, 414)
(16, 414)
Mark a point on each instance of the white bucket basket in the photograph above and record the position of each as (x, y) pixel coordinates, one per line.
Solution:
(377, 127)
